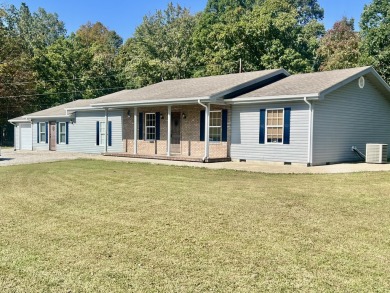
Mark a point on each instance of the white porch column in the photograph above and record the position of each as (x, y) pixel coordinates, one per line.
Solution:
(106, 130)
(169, 131)
(207, 132)
(135, 130)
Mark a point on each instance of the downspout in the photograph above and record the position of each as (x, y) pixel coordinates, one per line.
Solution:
(310, 134)
(206, 134)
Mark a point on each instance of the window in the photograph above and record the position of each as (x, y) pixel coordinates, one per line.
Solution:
(102, 132)
(215, 125)
(62, 132)
(42, 132)
(150, 126)
(275, 125)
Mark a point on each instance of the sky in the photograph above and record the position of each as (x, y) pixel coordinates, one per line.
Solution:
(124, 16)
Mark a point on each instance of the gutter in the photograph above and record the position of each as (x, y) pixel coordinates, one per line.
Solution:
(151, 102)
(206, 133)
(310, 133)
(285, 98)
(44, 117)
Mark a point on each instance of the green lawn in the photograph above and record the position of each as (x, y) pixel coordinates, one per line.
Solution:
(94, 226)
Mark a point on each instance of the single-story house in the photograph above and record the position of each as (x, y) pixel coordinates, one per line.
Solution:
(268, 115)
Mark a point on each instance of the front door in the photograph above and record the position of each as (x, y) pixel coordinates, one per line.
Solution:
(52, 136)
(175, 133)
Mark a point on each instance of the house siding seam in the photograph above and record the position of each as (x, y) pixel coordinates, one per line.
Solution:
(190, 140)
(82, 133)
(350, 116)
(245, 134)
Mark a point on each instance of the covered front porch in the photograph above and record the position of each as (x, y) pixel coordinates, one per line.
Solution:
(195, 133)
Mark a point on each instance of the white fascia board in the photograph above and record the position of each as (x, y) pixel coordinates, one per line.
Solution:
(249, 83)
(268, 99)
(19, 120)
(183, 101)
(48, 117)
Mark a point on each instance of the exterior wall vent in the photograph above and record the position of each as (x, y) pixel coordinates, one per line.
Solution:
(376, 153)
(362, 82)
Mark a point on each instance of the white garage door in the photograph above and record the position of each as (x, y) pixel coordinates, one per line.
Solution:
(25, 137)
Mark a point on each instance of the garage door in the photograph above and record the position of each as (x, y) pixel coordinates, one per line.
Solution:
(25, 137)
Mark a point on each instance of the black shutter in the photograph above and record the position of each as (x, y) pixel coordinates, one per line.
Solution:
(286, 131)
(109, 133)
(47, 132)
(97, 133)
(67, 133)
(262, 127)
(224, 124)
(158, 125)
(141, 126)
(38, 132)
(58, 132)
(202, 125)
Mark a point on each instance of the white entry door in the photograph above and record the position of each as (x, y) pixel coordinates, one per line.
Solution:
(25, 136)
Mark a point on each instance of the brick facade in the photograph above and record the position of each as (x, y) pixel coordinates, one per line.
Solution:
(190, 144)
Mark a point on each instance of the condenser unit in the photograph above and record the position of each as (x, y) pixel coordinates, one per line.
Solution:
(376, 153)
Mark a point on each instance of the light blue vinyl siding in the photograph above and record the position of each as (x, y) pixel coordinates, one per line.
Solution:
(245, 134)
(350, 116)
(82, 133)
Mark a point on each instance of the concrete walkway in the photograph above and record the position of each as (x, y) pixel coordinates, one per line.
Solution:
(9, 157)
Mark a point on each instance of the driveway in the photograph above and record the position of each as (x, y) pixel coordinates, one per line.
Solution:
(10, 157)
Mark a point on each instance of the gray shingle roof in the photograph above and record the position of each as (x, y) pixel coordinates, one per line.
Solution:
(189, 88)
(303, 84)
(60, 110)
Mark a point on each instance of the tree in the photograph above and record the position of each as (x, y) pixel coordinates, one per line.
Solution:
(160, 49)
(375, 34)
(22, 35)
(38, 30)
(339, 48)
(268, 34)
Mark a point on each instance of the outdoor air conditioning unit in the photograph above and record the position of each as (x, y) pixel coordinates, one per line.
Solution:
(376, 153)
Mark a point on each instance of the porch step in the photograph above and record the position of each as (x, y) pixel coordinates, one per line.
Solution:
(171, 158)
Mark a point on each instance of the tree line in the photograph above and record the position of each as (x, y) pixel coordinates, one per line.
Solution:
(42, 66)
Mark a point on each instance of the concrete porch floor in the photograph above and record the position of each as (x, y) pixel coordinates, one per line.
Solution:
(173, 157)
(10, 157)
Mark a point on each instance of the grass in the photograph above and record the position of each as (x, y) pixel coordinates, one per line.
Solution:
(94, 226)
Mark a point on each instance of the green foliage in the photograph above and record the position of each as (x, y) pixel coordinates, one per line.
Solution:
(160, 49)
(80, 66)
(40, 66)
(269, 35)
(21, 33)
(339, 48)
(375, 33)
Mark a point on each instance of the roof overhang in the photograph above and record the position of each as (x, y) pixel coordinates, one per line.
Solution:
(49, 117)
(162, 102)
(19, 120)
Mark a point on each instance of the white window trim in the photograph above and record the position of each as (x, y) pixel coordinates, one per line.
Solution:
(146, 127)
(220, 137)
(266, 126)
(41, 132)
(102, 135)
(59, 133)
